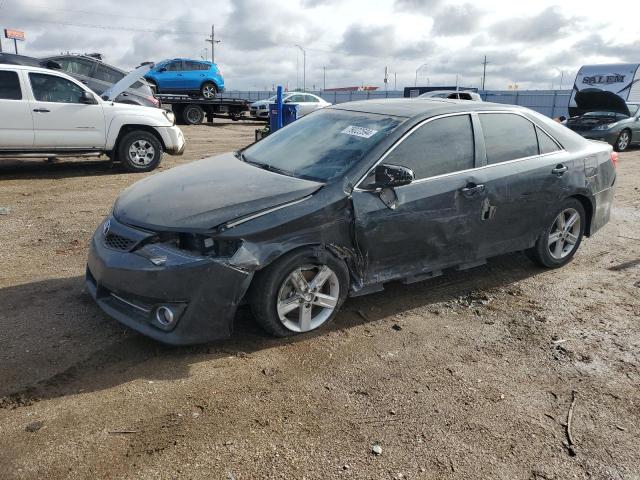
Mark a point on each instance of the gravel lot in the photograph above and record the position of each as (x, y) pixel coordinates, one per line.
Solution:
(468, 376)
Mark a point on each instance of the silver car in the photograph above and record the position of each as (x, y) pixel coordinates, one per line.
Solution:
(306, 102)
(453, 95)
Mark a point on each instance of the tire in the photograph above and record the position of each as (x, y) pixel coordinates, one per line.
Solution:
(192, 114)
(208, 90)
(274, 287)
(623, 141)
(555, 254)
(132, 148)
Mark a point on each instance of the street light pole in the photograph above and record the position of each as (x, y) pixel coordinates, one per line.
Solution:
(304, 68)
(415, 83)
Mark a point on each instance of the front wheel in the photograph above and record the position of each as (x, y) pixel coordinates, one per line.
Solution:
(208, 90)
(560, 241)
(139, 151)
(623, 141)
(300, 292)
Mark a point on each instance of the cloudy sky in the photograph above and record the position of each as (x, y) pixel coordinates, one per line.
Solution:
(527, 43)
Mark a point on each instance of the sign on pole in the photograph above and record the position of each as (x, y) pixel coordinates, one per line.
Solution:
(14, 35)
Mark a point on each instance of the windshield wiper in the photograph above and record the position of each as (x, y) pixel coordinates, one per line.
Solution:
(265, 166)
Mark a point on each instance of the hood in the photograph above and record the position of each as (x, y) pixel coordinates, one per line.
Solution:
(128, 80)
(204, 194)
(262, 102)
(593, 100)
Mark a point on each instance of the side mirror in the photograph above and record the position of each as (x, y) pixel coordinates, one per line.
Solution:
(163, 69)
(391, 176)
(88, 98)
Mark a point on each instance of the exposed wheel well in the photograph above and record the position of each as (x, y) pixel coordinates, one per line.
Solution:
(588, 209)
(132, 128)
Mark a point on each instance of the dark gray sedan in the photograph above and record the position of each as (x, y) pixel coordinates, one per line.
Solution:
(339, 203)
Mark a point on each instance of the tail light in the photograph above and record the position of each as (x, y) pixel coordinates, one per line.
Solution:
(614, 159)
(154, 101)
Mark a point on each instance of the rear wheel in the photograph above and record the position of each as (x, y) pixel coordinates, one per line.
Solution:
(623, 141)
(208, 90)
(192, 114)
(560, 241)
(139, 151)
(300, 292)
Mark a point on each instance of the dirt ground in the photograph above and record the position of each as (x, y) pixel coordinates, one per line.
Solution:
(469, 376)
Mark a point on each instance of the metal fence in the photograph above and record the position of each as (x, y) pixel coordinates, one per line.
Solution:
(551, 103)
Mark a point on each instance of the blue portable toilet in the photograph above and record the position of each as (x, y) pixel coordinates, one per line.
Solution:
(289, 114)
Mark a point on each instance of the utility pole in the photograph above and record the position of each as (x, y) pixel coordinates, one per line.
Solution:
(212, 40)
(484, 71)
(324, 78)
(304, 68)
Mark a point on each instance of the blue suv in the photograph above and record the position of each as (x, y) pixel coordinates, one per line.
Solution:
(184, 76)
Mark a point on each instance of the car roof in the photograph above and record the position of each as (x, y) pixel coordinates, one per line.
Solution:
(32, 68)
(419, 107)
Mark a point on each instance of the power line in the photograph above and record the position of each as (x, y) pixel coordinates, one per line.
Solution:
(86, 12)
(106, 27)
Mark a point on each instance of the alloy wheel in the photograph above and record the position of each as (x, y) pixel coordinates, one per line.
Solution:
(623, 141)
(141, 152)
(307, 298)
(208, 91)
(564, 234)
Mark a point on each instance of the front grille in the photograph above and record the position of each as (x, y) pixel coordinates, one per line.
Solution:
(118, 242)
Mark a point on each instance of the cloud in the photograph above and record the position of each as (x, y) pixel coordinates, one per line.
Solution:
(456, 20)
(547, 26)
(425, 7)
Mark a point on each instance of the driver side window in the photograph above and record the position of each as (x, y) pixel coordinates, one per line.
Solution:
(174, 66)
(50, 88)
(445, 145)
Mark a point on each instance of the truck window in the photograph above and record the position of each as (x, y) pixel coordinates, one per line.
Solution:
(10, 86)
(50, 88)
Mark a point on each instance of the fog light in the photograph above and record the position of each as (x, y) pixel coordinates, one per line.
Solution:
(165, 316)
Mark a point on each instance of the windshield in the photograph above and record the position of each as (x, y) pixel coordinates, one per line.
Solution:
(323, 145)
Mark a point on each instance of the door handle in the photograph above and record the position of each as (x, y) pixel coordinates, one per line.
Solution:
(471, 189)
(41, 110)
(559, 170)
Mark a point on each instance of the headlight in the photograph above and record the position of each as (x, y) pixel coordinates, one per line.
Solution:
(170, 116)
(605, 126)
(198, 244)
(262, 107)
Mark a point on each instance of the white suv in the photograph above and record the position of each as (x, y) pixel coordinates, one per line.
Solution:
(45, 113)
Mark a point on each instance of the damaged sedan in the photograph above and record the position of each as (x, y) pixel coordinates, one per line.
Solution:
(339, 203)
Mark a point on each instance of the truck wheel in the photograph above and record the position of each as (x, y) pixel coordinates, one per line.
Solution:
(208, 90)
(300, 292)
(192, 114)
(139, 151)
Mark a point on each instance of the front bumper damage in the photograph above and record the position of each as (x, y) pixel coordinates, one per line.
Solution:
(202, 292)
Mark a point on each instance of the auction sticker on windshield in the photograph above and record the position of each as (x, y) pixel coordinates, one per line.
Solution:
(359, 131)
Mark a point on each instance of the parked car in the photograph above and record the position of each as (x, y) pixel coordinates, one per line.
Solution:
(306, 102)
(185, 76)
(341, 202)
(453, 95)
(606, 117)
(99, 77)
(46, 113)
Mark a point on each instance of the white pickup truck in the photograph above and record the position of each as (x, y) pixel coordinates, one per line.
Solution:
(45, 113)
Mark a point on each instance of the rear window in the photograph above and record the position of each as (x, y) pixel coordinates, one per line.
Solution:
(508, 137)
(10, 86)
(442, 146)
(107, 74)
